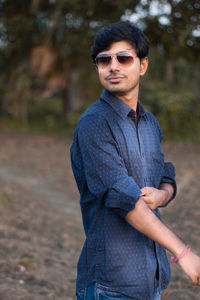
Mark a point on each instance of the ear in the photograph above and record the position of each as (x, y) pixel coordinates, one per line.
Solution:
(96, 68)
(143, 66)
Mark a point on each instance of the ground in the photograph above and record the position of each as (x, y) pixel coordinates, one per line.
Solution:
(40, 227)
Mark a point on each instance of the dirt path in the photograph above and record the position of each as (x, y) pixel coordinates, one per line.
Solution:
(41, 232)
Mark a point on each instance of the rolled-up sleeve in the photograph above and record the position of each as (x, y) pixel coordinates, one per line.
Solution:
(169, 177)
(105, 171)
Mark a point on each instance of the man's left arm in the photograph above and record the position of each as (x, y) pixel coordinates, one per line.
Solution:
(167, 189)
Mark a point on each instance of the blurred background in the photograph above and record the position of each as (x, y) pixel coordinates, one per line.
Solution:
(47, 77)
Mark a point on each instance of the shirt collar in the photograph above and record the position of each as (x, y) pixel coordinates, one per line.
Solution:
(121, 108)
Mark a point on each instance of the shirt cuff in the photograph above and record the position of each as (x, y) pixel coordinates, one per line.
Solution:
(123, 200)
(169, 177)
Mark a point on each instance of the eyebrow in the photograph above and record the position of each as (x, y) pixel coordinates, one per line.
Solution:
(122, 51)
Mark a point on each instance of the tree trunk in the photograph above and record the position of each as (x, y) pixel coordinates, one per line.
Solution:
(72, 89)
(169, 69)
(1, 103)
(68, 94)
(65, 103)
(23, 108)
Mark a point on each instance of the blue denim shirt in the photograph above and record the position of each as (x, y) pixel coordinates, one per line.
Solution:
(113, 157)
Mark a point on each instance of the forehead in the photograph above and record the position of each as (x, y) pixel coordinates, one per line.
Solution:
(122, 46)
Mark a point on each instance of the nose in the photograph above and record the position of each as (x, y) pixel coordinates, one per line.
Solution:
(114, 64)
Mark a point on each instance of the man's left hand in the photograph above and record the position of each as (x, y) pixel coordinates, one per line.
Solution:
(154, 197)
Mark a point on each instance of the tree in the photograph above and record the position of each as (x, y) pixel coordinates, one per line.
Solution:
(63, 27)
(174, 30)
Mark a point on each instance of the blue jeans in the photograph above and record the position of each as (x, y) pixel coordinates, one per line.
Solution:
(98, 292)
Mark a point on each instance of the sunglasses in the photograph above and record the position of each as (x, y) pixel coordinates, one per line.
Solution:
(125, 59)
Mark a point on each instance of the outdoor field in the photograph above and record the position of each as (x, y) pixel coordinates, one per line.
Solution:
(40, 227)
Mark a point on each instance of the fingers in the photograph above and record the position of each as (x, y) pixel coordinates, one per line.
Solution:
(191, 266)
(147, 190)
(197, 281)
(149, 202)
(147, 199)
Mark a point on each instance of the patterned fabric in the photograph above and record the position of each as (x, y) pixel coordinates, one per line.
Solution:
(113, 157)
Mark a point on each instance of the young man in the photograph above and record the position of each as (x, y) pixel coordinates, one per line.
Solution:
(122, 178)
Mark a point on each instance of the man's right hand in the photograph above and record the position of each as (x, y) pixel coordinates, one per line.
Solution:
(145, 221)
(190, 264)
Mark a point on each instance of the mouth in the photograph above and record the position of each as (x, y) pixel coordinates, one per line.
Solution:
(114, 79)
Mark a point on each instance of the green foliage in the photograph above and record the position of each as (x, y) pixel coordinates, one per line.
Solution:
(176, 103)
(67, 27)
(177, 111)
(176, 34)
(45, 115)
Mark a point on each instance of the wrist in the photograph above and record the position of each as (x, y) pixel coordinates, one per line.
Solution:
(185, 251)
(165, 196)
(167, 190)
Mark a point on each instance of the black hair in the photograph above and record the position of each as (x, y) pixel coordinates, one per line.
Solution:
(120, 31)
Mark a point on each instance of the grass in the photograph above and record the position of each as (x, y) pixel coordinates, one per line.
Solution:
(45, 117)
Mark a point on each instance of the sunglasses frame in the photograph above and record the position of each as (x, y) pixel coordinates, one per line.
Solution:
(116, 55)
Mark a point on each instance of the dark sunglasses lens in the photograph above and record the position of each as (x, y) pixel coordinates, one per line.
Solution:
(125, 59)
(103, 61)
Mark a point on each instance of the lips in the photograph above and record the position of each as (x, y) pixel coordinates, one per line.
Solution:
(115, 79)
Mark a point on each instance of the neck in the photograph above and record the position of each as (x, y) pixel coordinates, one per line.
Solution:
(130, 98)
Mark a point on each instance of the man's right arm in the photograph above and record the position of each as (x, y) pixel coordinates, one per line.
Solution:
(145, 221)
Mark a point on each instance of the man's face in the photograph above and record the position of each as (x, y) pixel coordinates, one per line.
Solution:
(117, 77)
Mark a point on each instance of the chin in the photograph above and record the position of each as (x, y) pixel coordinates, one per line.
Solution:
(113, 87)
(116, 90)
